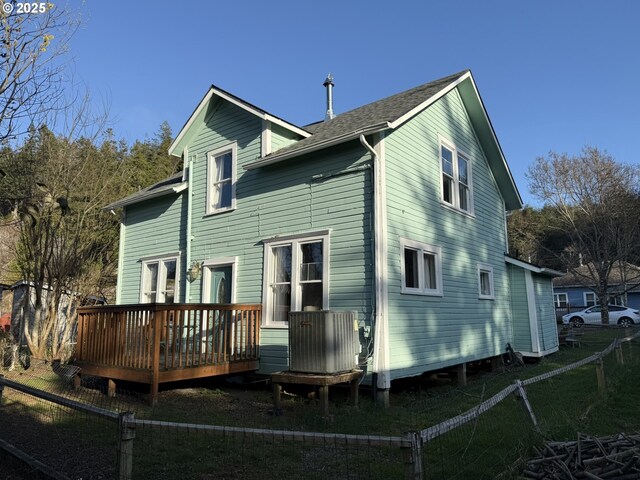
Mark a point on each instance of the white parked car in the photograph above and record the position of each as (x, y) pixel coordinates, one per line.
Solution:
(617, 314)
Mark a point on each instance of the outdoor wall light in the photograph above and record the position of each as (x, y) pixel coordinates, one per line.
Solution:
(194, 271)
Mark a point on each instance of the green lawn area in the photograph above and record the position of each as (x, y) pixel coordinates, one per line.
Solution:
(491, 447)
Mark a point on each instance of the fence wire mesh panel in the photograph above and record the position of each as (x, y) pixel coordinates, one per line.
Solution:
(491, 445)
(168, 452)
(64, 440)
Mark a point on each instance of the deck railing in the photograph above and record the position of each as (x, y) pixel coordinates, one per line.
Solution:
(167, 336)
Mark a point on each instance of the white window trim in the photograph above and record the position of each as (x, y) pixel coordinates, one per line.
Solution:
(422, 248)
(456, 190)
(556, 299)
(207, 265)
(296, 296)
(233, 148)
(488, 269)
(160, 258)
(586, 303)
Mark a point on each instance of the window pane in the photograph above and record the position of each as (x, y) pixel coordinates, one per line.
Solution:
(151, 282)
(312, 296)
(282, 264)
(281, 302)
(225, 195)
(447, 189)
(170, 281)
(430, 271)
(411, 268)
(485, 283)
(311, 267)
(223, 166)
(464, 197)
(447, 161)
(463, 175)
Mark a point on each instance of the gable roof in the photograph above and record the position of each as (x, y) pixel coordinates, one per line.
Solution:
(173, 184)
(392, 112)
(199, 114)
(380, 115)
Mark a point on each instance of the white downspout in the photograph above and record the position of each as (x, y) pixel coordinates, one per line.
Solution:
(381, 363)
(187, 259)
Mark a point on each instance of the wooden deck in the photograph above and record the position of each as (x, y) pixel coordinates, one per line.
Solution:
(156, 343)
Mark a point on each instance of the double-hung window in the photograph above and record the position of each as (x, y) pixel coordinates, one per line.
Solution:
(296, 274)
(421, 268)
(221, 179)
(456, 178)
(159, 281)
(560, 300)
(485, 282)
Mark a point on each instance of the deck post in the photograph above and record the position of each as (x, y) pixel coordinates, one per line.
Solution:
(461, 371)
(159, 319)
(602, 383)
(126, 434)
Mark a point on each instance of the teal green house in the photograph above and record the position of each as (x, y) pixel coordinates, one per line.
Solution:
(396, 210)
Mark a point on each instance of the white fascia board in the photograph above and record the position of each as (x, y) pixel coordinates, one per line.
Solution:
(203, 103)
(262, 115)
(527, 266)
(414, 111)
(270, 160)
(493, 136)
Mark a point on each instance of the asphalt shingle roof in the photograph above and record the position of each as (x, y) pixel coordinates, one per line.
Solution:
(386, 110)
(162, 187)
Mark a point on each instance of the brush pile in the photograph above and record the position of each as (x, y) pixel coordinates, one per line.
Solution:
(605, 458)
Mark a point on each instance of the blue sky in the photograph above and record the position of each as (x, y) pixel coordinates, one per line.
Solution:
(553, 75)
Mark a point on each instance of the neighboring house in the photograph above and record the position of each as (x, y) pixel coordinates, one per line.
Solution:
(395, 209)
(572, 290)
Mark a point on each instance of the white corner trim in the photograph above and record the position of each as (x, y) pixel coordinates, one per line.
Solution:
(533, 315)
(265, 139)
(121, 247)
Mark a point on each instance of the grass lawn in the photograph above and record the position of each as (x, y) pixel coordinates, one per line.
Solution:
(491, 447)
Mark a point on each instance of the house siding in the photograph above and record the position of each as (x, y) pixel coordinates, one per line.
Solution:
(428, 333)
(282, 200)
(519, 310)
(281, 137)
(154, 227)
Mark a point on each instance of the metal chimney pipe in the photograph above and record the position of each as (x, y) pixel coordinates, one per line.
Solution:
(328, 84)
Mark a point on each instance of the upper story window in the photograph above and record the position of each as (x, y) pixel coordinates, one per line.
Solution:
(485, 282)
(421, 268)
(159, 281)
(456, 178)
(221, 179)
(296, 274)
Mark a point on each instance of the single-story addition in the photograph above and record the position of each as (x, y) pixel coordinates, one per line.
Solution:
(574, 291)
(395, 210)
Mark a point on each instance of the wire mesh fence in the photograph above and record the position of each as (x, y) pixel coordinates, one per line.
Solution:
(492, 438)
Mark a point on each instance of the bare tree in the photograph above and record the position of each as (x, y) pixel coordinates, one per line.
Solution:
(67, 242)
(32, 48)
(595, 199)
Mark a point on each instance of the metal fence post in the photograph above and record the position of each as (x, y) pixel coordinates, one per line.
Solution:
(126, 434)
(602, 383)
(412, 446)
